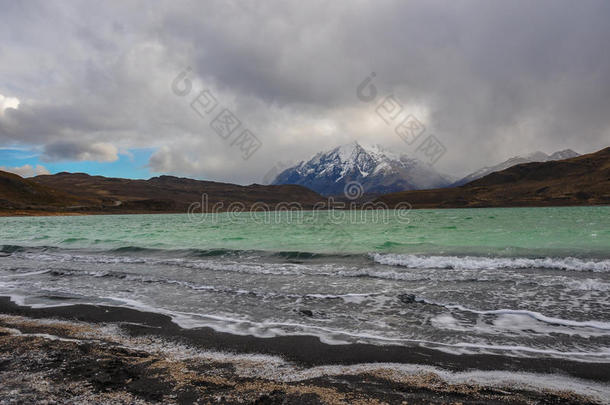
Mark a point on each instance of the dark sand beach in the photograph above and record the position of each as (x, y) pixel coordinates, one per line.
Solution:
(96, 354)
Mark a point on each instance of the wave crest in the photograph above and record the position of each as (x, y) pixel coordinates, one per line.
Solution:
(487, 263)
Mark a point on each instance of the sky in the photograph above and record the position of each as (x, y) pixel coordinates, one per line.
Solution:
(230, 91)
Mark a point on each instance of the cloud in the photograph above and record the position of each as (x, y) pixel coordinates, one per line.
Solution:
(490, 79)
(79, 151)
(8, 102)
(26, 170)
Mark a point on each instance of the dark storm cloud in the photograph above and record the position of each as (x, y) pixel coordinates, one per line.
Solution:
(494, 79)
(64, 150)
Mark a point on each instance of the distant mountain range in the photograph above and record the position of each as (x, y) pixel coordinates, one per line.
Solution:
(582, 180)
(378, 170)
(532, 157)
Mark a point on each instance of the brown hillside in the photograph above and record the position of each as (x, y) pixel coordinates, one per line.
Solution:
(168, 193)
(583, 180)
(17, 193)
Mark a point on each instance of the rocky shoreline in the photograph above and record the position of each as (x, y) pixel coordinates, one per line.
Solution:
(50, 360)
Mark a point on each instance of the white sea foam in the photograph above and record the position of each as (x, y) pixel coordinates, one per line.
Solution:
(279, 315)
(538, 382)
(538, 316)
(531, 314)
(276, 368)
(265, 329)
(213, 265)
(481, 263)
(28, 274)
(348, 297)
(328, 335)
(327, 269)
(589, 285)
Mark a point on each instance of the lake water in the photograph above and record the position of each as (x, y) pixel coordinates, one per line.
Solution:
(517, 281)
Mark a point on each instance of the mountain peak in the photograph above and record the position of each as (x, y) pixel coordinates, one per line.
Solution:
(375, 168)
(563, 154)
(348, 151)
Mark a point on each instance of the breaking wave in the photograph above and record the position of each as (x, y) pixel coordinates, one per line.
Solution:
(482, 263)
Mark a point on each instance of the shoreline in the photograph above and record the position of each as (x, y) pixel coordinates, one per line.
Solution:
(305, 351)
(107, 346)
(39, 213)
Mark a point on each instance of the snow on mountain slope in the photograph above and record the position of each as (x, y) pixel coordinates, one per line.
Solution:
(532, 157)
(376, 169)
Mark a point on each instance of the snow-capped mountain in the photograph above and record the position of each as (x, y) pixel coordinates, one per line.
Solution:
(376, 169)
(532, 157)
